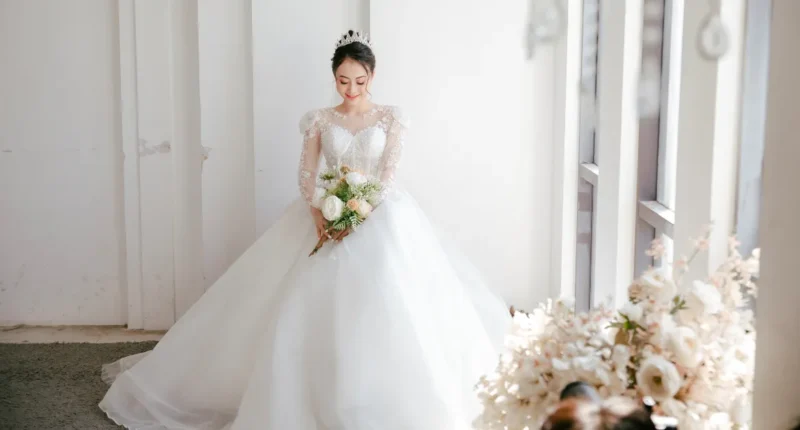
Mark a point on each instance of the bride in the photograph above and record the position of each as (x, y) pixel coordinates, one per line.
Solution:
(384, 329)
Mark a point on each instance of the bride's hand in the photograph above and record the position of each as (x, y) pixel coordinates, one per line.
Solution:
(339, 235)
(319, 221)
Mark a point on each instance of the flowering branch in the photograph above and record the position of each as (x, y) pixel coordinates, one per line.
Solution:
(692, 352)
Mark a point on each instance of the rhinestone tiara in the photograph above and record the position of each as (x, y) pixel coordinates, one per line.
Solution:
(357, 36)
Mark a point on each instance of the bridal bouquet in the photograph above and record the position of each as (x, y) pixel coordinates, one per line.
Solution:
(689, 346)
(346, 199)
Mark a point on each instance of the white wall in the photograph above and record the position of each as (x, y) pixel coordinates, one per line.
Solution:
(160, 99)
(226, 90)
(111, 214)
(60, 164)
(90, 239)
(479, 152)
(777, 382)
(293, 43)
(101, 153)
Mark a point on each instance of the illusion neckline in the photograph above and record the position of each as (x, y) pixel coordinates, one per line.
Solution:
(354, 134)
(369, 112)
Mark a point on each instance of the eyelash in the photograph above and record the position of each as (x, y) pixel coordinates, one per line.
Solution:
(345, 83)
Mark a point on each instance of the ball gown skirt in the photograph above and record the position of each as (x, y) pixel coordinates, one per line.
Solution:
(389, 329)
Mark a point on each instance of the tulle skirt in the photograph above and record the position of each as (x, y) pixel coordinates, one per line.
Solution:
(388, 330)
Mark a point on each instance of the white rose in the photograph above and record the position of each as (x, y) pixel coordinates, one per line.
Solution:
(364, 208)
(603, 376)
(659, 285)
(720, 420)
(590, 369)
(319, 195)
(701, 299)
(560, 365)
(683, 343)
(332, 208)
(355, 179)
(692, 421)
(587, 363)
(619, 383)
(621, 356)
(632, 311)
(660, 325)
(658, 378)
(673, 408)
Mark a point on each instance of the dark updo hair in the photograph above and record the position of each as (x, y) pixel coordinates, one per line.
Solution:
(617, 413)
(356, 51)
(581, 390)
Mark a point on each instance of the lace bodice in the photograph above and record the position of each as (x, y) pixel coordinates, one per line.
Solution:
(370, 143)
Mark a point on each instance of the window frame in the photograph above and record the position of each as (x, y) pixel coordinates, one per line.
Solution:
(702, 116)
(588, 170)
(658, 140)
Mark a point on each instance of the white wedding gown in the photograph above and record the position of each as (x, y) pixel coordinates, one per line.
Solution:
(386, 330)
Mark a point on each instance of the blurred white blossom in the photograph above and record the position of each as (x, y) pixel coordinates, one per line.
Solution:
(684, 345)
(658, 378)
(691, 348)
(702, 299)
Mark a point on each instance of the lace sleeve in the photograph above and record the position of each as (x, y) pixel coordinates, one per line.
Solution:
(395, 141)
(309, 156)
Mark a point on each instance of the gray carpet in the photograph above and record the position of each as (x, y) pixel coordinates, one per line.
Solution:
(57, 386)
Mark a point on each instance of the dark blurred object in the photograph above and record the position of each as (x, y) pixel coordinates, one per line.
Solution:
(513, 311)
(648, 404)
(661, 422)
(582, 408)
(580, 390)
(618, 413)
(570, 414)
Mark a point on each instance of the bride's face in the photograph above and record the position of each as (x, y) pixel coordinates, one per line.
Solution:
(352, 81)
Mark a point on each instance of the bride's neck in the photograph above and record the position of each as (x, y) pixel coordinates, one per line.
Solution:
(358, 109)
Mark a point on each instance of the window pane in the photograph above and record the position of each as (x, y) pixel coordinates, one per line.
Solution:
(671, 82)
(653, 77)
(591, 20)
(754, 106)
(584, 247)
(587, 154)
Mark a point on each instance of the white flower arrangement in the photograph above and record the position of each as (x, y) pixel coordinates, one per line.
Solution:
(346, 198)
(691, 349)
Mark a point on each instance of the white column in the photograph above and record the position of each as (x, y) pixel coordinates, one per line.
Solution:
(186, 154)
(777, 383)
(156, 178)
(226, 88)
(566, 112)
(159, 87)
(130, 148)
(708, 137)
(617, 142)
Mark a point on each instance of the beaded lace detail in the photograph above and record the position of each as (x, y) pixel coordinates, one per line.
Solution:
(371, 143)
